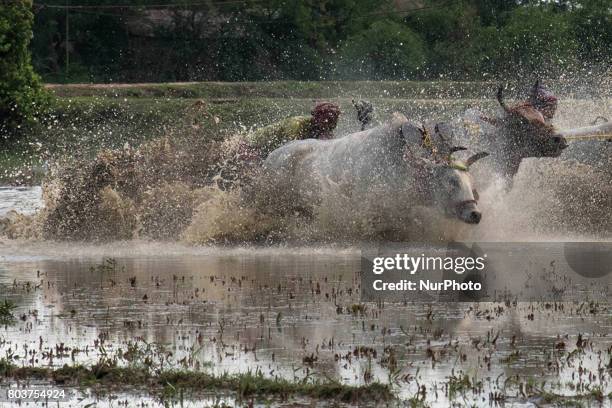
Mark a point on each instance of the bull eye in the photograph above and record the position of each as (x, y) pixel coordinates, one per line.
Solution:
(453, 183)
(476, 195)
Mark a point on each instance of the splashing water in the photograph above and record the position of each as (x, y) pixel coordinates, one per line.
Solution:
(193, 190)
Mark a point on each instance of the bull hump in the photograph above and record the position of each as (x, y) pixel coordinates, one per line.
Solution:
(397, 120)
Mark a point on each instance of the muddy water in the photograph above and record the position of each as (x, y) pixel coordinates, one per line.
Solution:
(26, 200)
(287, 312)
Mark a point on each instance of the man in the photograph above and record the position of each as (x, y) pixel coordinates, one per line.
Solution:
(536, 112)
(320, 125)
(243, 159)
(544, 101)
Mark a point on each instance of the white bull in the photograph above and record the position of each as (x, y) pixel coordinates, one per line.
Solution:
(368, 167)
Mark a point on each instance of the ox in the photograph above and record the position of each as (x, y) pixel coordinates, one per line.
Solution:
(369, 166)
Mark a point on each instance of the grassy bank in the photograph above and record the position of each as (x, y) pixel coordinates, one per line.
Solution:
(170, 383)
(173, 384)
(281, 89)
(97, 121)
(81, 125)
(317, 89)
(87, 117)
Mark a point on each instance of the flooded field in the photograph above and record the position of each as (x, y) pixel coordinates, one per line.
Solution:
(147, 324)
(280, 204)
(291, 314)
(25, 200)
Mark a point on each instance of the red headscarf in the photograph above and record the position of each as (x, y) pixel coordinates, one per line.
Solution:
(325, 118)
(543, 100)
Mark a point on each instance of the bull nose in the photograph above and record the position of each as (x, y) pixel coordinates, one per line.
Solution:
(474, 217)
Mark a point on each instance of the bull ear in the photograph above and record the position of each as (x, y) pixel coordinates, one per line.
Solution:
(473, 159)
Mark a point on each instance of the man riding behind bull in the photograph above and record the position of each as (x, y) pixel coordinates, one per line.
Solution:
(537, 111)
(544, 101)
(320, 125)
(244, 159)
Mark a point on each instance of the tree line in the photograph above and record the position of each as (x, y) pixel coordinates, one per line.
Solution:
(252, 40)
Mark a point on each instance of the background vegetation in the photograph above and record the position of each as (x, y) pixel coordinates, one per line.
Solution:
(448, 54)
(245, 40)
(21, 94)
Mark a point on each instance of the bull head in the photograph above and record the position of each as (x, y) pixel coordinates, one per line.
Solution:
(528, 124)
(449, 186)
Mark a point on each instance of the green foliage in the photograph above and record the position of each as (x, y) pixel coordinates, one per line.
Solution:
(592, 24)
(536, 40)
(320, 39)
(172, 382)
(386, 50)
(21, 95)
(449, 34)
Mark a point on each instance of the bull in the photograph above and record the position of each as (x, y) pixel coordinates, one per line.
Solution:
(378, 164)
(525, 130)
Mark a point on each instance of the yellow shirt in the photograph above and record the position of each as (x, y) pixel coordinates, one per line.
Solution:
(275, 135)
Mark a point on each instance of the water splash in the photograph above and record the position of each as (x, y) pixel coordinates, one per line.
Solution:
(200, 190)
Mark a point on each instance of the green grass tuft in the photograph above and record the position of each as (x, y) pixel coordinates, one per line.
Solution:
(170, 382)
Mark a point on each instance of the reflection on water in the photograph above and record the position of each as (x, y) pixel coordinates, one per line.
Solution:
(289, 313)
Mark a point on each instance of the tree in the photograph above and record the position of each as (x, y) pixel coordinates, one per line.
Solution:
(494, 12)
(536, 40)
(449, 30)
(592, 23)
(21, 95)
(304, 35)
(386, 50)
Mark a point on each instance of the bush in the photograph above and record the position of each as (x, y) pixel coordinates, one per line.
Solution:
(536, 41)
(386, 50)
(21, 95)
(592, 24)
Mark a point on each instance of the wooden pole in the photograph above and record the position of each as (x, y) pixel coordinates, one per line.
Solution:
(595, 132)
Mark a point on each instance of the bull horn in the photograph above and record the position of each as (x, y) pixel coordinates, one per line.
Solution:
(452, 150)
(500, 99)
(457, 149)
(472, 159)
